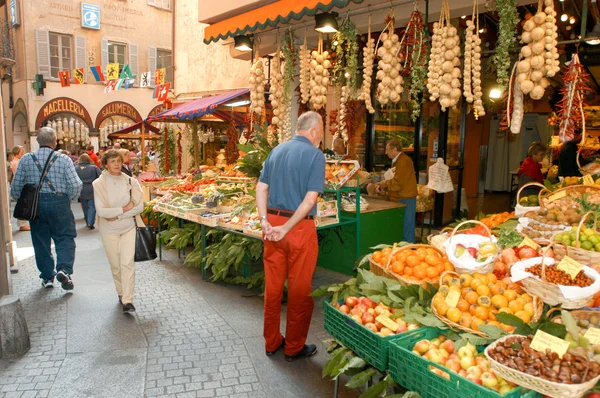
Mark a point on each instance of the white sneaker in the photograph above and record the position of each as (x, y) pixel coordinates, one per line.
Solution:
(48, 284)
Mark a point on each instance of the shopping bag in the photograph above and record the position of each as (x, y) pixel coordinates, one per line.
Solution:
(145, 241)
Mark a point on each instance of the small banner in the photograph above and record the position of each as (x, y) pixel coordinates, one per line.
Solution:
(78, 75)
(126, 73)
(119, 84)
(110, 86)
(112, 71)
(65, 80)
(128, 83)
(163, 93)
(145, 80)
(159, 76)
(155, 92)
(97, 72)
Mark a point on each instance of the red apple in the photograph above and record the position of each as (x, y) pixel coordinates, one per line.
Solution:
(379, 309)
(368, 302)
(422, 346)
(453, 365)
(489, 380)
(371, 326)
(362, 308)
(345, 309)
(367, 318)
(436, 342)
(463, 373)
(472, 251)
(401, 329)
(434, 355)
(351, 301)
(379, 325)
(448, 345)
(474, 379)
(475, 371)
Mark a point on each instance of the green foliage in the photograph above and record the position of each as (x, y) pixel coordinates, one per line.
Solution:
(525, 329)
(346, 56)
(167, 150)
(418, 77)
(509, 238)
(290, 54)
(225, 257)
(257, 151)
(507, 38)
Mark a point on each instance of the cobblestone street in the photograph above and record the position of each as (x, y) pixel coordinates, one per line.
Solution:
(189, 338)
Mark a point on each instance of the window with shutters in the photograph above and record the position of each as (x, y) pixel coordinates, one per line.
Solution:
(117, 53)
(61, 53)
(164, 59)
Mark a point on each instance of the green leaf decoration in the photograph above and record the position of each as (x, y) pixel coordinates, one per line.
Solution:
(555, 329)
(509, 319)
(354, 363)
(494, 332)
(376, 390)
(474, 339)
(336, 357)
(362, 378)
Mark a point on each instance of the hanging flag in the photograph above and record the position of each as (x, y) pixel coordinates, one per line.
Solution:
(163, 94)
(145, 79)
(128, 83)
(110, 86)
(112, 71)
(126, 72)
(65, 80)
(155, 92)
(78, 75)
(159, 76)
(97, 72)
(118, 84)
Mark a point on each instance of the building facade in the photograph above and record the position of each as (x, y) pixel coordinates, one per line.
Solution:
(51, 36)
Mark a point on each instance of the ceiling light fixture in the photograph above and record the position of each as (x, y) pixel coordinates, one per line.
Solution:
(564, 17)
(238, 103)
(495, 93)
(463, 17)
(326, 22)
(594, 36)
(242, 43)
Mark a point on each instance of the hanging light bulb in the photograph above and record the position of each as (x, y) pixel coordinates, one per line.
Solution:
(572, 20)
(564, 17)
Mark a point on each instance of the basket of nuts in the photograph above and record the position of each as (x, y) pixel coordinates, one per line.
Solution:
(513, 359)
(543, 278)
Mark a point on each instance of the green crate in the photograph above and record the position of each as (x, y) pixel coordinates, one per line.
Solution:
(366, 344)
(412, 372)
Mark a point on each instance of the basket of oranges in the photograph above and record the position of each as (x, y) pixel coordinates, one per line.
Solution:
(468, 301)
(411, 264)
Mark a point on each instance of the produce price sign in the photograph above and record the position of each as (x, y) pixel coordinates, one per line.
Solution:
(387, 322)
(452, 298)
(570, 266)
(557, 196)
(529, 242)
(543, 340)
(593, 335)
(588, 180)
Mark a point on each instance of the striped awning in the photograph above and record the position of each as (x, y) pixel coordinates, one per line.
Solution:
(281, 11)
(197, 108)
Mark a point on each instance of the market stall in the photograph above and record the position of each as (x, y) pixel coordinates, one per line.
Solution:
(140, 131)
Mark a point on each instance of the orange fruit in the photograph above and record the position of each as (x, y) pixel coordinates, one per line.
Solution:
(524, 316)
(412, 261)
(437, 298)
(515, 306)
(387, 251)
(421, 253)
(494, 323)
(476, 322)
(402, 256)
(398, 267)
(527, 298)
(499, 301)
(483, 290)
(473, 309)
(384, 259)
(431, 259)
(453, 314)
(475, 283)
(507, 328)
(376, 256)
(447, 279)
(408, 271)
(432, 273)
(484, 301)
(466, 279)
(440, 268)
(482, 277)
(472, 297)
(481, 313)
(466, 319)
(492, 279)
(505, 309)
(442, 308)
(465, 290)
(510, 294)
(491, 315)
(448, 266)
(420, 272)
(529, 309)
(495, 289)
(462, 305)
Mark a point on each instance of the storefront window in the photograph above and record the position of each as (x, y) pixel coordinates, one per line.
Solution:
(164, 60)
(60, 53)
(392, 122)
(116, 54)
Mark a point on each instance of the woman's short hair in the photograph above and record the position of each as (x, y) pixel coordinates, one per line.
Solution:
(536, 148)
(112, 154)
(16, 149)
(85, 158)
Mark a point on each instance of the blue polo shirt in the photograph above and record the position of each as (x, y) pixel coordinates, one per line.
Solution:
(291, 170)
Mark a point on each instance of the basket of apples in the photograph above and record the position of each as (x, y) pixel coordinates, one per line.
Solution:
(427, 362)
(366, 327)
(471, 253)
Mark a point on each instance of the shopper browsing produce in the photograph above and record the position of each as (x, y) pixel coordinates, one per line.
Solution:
(531, 168)
(292, 178)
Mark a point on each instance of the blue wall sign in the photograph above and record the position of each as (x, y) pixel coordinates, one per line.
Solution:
(14, 13)
(90, 16)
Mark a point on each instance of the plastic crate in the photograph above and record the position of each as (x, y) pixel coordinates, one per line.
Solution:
(413, 372)
(366, 344)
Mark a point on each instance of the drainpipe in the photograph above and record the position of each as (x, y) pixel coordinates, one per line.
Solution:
(173, 43)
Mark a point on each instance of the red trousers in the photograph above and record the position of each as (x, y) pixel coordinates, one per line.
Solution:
(295, 258)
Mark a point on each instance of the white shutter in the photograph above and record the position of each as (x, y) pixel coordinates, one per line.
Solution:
(42, 39)
(133, 63)
(151, 2)
(80, 56)
(152, 63)
(104, 55)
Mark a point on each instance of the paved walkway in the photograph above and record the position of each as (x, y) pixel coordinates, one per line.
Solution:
(189, 338)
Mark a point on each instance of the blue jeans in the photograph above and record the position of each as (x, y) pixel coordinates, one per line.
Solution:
(89, 211)
(410, 216)
(55, 222)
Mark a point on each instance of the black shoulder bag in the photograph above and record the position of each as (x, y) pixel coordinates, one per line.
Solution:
(27, 204)
(145, 237)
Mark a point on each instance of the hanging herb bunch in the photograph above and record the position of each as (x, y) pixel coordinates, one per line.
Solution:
(444, 66)
(168, 153)
(571, 105)
(414, 57)
(345, 71)
(179, 152)
(509, 18)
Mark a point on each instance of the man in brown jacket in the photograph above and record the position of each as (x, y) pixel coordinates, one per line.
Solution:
(403, 187)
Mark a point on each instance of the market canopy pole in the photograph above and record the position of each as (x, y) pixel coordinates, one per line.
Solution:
(143, 147)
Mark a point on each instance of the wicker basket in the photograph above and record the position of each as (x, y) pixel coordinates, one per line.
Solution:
(538, 309)
(520, 210)
(385, 271)
(550, 293)
(536, 383)
(577, 314)
(585, 257)
(486, 267)
(437, 240)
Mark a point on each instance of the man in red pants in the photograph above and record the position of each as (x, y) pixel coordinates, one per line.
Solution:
(292, 178)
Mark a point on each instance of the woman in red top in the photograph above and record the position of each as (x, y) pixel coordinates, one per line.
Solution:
(531, 169)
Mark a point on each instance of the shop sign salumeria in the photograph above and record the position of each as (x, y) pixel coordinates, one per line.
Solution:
(62, 105)
(117, 108)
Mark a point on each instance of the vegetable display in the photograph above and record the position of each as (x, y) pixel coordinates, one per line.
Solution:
(257, 86)
(319, 76)
(444, 65)
(389, 88)
(472, 73)
(572, 102)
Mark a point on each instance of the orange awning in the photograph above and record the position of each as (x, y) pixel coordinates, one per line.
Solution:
(272, 14)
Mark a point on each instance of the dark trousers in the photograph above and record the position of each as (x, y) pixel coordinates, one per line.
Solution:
(55, 222)
(89, 211)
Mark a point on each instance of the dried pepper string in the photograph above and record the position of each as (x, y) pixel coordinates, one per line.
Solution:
(570, 107)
